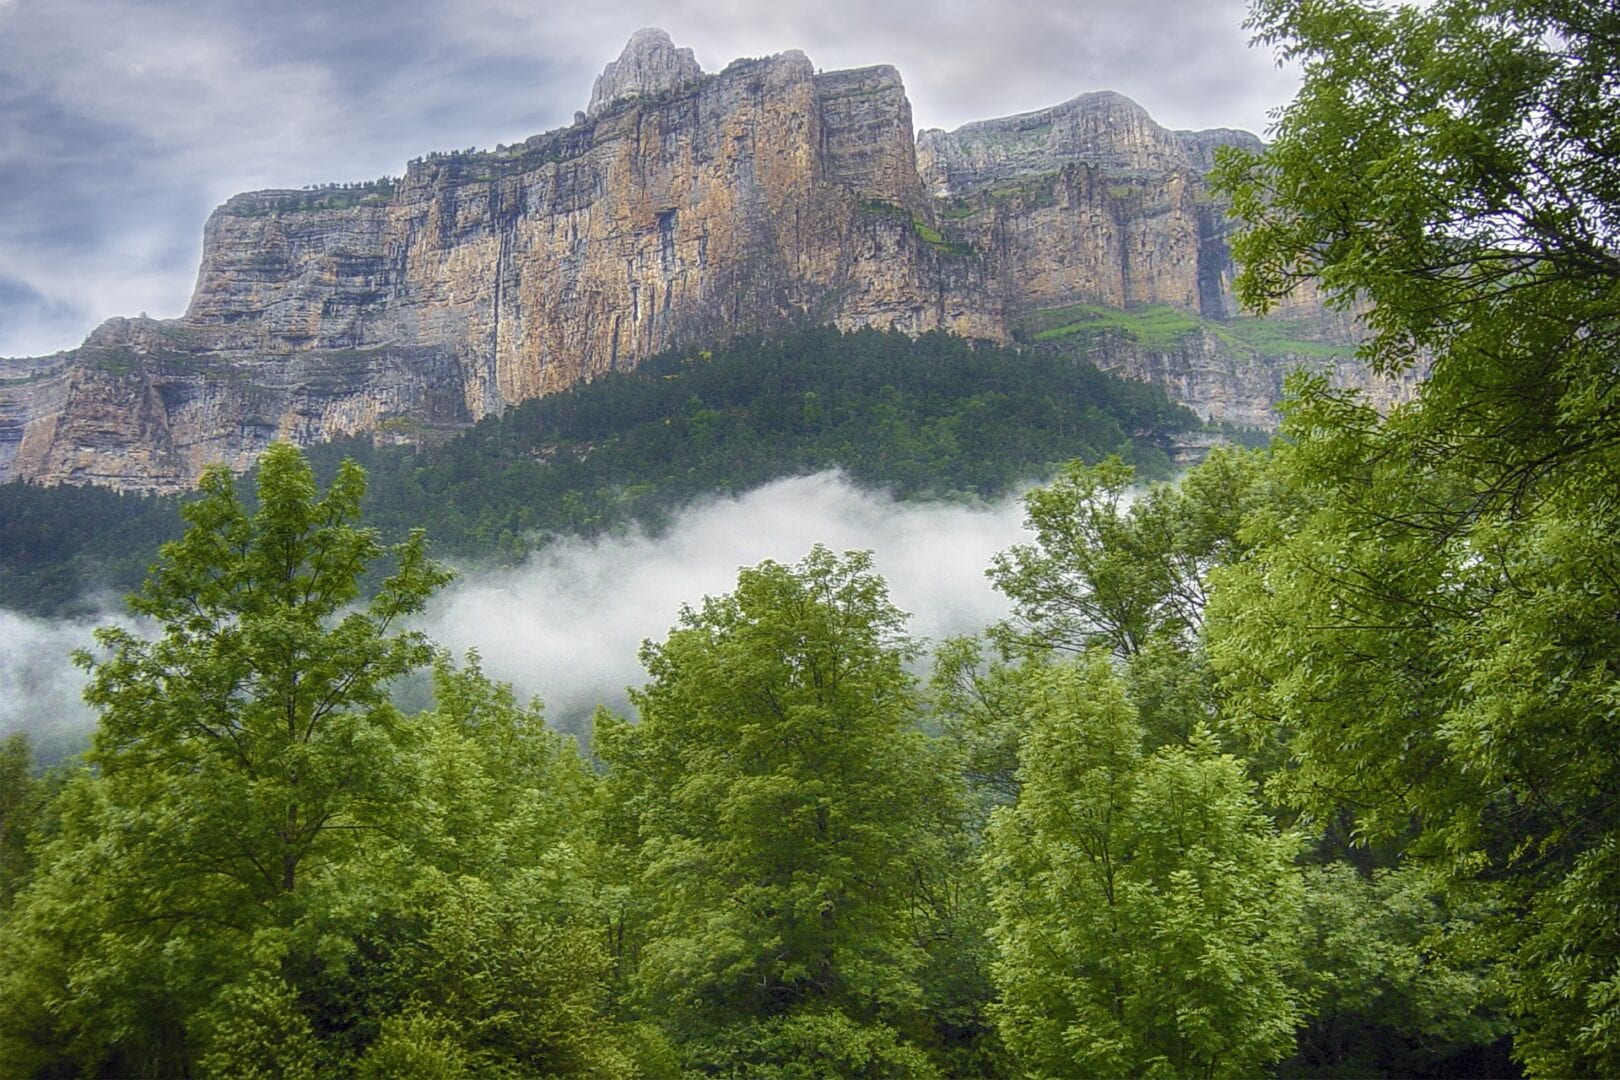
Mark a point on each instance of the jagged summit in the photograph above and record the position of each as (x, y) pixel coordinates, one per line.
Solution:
(649, 64)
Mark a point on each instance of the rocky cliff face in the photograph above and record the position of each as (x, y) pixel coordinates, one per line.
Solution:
(680, 207)
(1091, 201)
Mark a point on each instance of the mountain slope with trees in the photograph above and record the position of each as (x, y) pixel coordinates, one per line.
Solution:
(933, 416)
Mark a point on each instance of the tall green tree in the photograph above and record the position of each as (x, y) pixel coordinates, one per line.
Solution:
(21, 795)
(245, 753)
(1119, 567)
(253, 737)
(1147, 909)
(274, 872)
(1433, 639)
(779, 807)
(477, 935)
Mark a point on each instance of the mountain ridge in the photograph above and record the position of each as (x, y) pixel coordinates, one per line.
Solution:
(683, 207)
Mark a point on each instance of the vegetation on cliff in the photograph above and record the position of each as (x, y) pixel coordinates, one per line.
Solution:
(934, 416)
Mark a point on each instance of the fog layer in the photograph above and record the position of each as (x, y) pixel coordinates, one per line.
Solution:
(566, 626)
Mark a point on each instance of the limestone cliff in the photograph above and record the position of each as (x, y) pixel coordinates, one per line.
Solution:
(680, 207)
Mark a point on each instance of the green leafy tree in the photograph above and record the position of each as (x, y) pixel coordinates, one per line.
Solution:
(477, 937)
(21, 796)
(273, 871)
(1085, 579)
(502, 790)
(982, 702)
(1432, 641)
(1120, 568)
(1147, 909)
(254, 738)
(1389, 993)
(245, 753)
(775, 801)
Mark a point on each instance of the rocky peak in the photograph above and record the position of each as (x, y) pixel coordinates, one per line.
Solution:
(1201, 145)
(1103, 129)
(649, 64)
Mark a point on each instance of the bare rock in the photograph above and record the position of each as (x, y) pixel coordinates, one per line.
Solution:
(650, 64)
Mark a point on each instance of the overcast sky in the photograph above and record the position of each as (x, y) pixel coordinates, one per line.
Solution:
(124, 122)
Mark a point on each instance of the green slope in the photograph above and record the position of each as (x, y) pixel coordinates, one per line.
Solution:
(931, 417)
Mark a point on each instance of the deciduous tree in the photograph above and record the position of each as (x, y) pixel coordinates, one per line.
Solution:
(775, 799)
(1147, 909)
(1434, 639)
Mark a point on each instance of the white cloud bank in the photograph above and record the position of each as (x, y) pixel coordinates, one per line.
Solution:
(39, 686)
(568, 624)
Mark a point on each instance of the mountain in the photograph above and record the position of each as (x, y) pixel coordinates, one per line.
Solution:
(682, 207)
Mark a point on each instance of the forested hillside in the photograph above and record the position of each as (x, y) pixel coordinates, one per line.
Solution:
(1301, 765)
(930, 417)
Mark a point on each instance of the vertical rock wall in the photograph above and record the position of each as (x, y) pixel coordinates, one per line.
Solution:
(683, 207)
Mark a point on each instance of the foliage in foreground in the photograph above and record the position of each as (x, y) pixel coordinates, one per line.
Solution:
(1432, 636)
(781, 872)
(1148, 909)
(270, 869)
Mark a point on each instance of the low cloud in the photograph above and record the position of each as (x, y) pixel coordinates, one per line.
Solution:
(566, 627)
(568, 624)
(40, 689)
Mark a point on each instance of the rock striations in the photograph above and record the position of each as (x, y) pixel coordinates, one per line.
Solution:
(680, 207)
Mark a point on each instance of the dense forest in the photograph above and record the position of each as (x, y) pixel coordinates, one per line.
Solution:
(931, 417)
(1304, 764)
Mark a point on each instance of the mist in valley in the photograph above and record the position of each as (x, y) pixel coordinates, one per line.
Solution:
(567, 625)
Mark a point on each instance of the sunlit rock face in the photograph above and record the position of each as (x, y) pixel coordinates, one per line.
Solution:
(680, 207)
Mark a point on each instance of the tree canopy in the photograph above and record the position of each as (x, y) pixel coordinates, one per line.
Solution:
(935, 415)
(1147, 907)
(272, 870)
(1432, 631)
(777, 798)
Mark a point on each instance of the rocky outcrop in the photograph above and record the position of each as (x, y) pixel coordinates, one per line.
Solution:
(1232, 384)
(1200, 146)
(1106, 130)
(650, 64)
(143, 407)
(681, 207)
(1088, 201)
